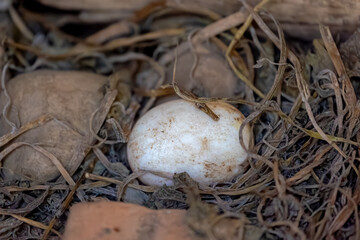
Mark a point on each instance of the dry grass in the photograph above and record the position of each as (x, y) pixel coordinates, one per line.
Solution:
(301, 180)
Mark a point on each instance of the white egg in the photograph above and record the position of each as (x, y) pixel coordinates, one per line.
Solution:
(177, 137)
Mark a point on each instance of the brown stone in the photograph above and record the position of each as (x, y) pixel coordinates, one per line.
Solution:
(116, 220)
(70, 97)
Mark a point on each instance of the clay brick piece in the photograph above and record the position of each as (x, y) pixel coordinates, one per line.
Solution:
(116, 220)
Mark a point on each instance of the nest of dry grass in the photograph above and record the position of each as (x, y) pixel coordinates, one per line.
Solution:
(302, 176)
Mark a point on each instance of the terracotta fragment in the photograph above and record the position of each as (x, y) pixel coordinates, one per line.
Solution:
(116, 220)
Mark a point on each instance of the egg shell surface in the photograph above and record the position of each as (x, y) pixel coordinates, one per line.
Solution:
(177, 137)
